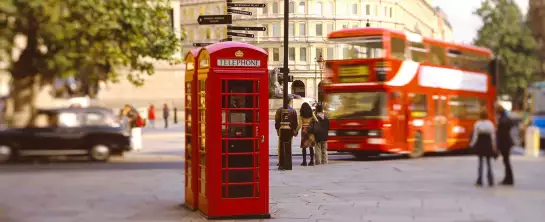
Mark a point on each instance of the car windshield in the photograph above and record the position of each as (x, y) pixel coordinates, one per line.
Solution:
(356, 105)
(364, 47)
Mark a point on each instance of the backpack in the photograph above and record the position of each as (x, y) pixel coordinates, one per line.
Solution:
(315, 126)
(139, 121)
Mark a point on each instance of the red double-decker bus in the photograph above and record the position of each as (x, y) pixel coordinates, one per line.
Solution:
(397, 92)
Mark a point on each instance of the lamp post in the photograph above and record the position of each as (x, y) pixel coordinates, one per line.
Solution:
(286, 132)
(321, 63)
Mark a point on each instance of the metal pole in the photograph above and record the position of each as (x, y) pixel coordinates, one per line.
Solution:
(286, 133)
(315, 86)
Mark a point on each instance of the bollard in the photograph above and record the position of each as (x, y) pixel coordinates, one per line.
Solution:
(532, 142)
(175, 115)
(136, 138)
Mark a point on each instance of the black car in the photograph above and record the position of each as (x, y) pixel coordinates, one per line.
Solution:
(94, 132)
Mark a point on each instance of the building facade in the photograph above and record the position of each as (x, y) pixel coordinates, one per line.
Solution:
(310, 22)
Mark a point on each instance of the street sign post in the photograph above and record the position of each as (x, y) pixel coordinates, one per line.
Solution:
(215, 19)
(240, 34)
(246, 5)
(244, 28)
(239, 11)
(201, 44)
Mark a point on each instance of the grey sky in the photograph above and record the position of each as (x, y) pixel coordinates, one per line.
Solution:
(460, 14)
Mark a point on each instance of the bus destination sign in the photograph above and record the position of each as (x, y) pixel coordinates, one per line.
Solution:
(353, 73)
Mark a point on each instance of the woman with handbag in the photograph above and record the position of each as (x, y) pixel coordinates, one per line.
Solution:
(306, 116)
(483, 141)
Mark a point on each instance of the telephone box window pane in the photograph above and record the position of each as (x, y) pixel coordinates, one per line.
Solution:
(224, 192)
(224, 131)
(240, 146)
(240, 176)
(240, 191)
(224, 86)
(188, 144)
(241, 116)
(241, 102)
(257, 117)
(241, 131)
(257, 86)
(240, 161)
(203, 159)
(203, 188)
(257, 161)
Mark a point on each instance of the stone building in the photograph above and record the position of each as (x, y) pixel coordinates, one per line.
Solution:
(310, 22)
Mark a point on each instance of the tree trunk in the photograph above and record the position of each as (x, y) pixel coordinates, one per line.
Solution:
(21, 104)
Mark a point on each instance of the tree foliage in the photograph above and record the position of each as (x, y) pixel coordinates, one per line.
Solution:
(45, 39)
(64, 35)
(506, 33)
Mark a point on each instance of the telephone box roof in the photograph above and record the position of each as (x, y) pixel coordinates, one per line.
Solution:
(223, 45)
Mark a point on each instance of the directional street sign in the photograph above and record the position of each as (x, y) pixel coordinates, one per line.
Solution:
(240, 34)
(215, 19)
(242, 28)
(246, 5)
(201, 44)
(239, 11)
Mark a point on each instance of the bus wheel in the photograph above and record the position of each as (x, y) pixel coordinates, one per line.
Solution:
(418, 149)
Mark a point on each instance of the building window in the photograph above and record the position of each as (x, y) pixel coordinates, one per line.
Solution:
(319, 30)
(276, 30)
(298, 88)
(318, 8)
(345, 26)
(276, 54)
(275, 7)
(355, 25)
(303, 54)
(302, 29)
(266, 50)
(292, 7)
(330, 53)
(291, 54)
(385, 11)
(329, 28)
(292, 29)
(331, 8)
(391, 12)
(319, 52)
(265, 10)
(301, 9)
(368, 10)
(376, 10)
(208, 34)
(355, 9)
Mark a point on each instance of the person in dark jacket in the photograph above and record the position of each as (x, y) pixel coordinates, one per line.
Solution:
(293, 123)
(320, 130)
(505, 143)
(483, 142)
(166, 114)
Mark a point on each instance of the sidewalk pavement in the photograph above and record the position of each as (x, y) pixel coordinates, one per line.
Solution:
(424, 190)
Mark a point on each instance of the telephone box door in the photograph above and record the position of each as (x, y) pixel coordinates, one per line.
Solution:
(244, 146)
(190, 133)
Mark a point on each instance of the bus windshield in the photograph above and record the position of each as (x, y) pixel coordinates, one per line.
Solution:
(364, 47)
(356, 105)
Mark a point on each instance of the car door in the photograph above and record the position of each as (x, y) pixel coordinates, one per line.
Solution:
(42, 135)
(70, 132)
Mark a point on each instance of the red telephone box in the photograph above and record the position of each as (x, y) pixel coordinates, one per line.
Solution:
(191, 152)
(233, 131)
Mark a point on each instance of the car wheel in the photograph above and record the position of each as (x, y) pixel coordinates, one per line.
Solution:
(100, 152)
(6, 153)
(418, 149)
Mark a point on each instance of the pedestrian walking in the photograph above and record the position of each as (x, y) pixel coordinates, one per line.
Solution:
(505, 144)
(292, 116)
(151, 116)
(166, 114)
(483, 141)
(308, 140)
(320, 130)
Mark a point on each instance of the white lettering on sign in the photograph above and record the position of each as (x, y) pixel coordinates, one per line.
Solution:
(239, 62)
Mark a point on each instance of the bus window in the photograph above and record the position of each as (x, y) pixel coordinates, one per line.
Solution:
(356, 105)
(419, 52)
(365, 47)
(398, 48)
(418, 105)
(455, 58)
(477, 62)
(438, 55)
(466, 107)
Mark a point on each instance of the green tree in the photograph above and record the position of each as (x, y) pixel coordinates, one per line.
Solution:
(45, 39)
(506, 33)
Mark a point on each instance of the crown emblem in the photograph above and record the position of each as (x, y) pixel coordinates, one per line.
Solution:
(239, 54)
